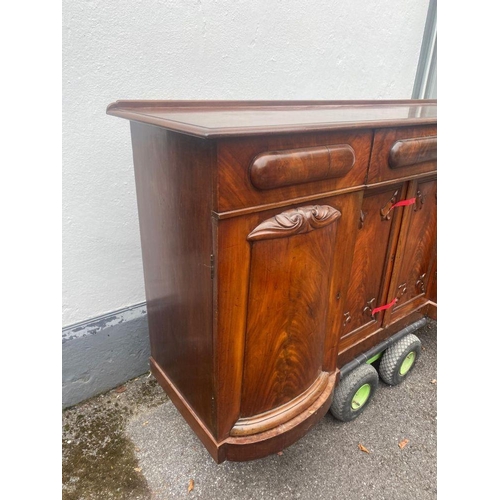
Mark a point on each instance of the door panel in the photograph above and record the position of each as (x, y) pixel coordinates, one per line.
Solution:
(290, 273)
(377, 224)
(258, 265)
(416, 250)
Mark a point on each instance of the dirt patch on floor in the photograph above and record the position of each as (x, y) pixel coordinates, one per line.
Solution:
(98, 460)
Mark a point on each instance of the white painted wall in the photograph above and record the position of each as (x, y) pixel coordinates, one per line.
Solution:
(197, 49)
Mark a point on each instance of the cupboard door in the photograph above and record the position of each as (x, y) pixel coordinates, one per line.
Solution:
(280, 287)
(416, 254)
(291, 258)
(377, 227)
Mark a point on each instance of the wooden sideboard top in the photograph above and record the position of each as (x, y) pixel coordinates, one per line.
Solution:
(213, 119)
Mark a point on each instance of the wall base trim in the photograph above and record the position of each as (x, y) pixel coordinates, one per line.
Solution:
(104, 352)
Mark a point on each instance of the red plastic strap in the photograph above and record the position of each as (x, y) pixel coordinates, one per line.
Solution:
(383, 308)
(403, 203)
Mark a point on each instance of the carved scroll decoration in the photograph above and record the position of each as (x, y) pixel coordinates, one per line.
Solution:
(295, 221)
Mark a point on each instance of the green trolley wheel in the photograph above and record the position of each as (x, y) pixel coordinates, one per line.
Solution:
(399, 359)
(354, 392)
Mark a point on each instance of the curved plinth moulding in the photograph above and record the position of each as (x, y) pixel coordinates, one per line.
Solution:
(277, 416)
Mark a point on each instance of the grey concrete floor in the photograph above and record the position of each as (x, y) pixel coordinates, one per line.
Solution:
(149, 452)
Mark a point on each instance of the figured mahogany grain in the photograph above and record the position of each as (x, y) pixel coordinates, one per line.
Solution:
(349, 206)
(274, 440)
(287, 310)
(278, 416)
(384, 142)
(416, 250)
(174, 199)
(235, 157)
(255, 285)
(408, 152)
(231, 275)
(367, 274)
(275, 169)
(232, 266)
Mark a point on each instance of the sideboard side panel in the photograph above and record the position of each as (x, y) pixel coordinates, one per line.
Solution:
(174, 192)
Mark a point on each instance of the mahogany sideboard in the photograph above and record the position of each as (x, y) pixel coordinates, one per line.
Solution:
(280, 240)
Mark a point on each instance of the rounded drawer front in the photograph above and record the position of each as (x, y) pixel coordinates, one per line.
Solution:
(413, 151)
(402, 153)
(275, 169)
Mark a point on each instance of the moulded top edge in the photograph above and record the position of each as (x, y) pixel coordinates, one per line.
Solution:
(211, 119)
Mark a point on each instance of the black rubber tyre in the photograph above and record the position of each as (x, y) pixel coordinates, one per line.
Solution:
(394, 357)
(342, 404)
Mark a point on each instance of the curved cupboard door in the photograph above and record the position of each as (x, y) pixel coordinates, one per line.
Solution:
(275, 269)
(290, 266)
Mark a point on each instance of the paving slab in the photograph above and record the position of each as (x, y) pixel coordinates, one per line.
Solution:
(149, 452)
